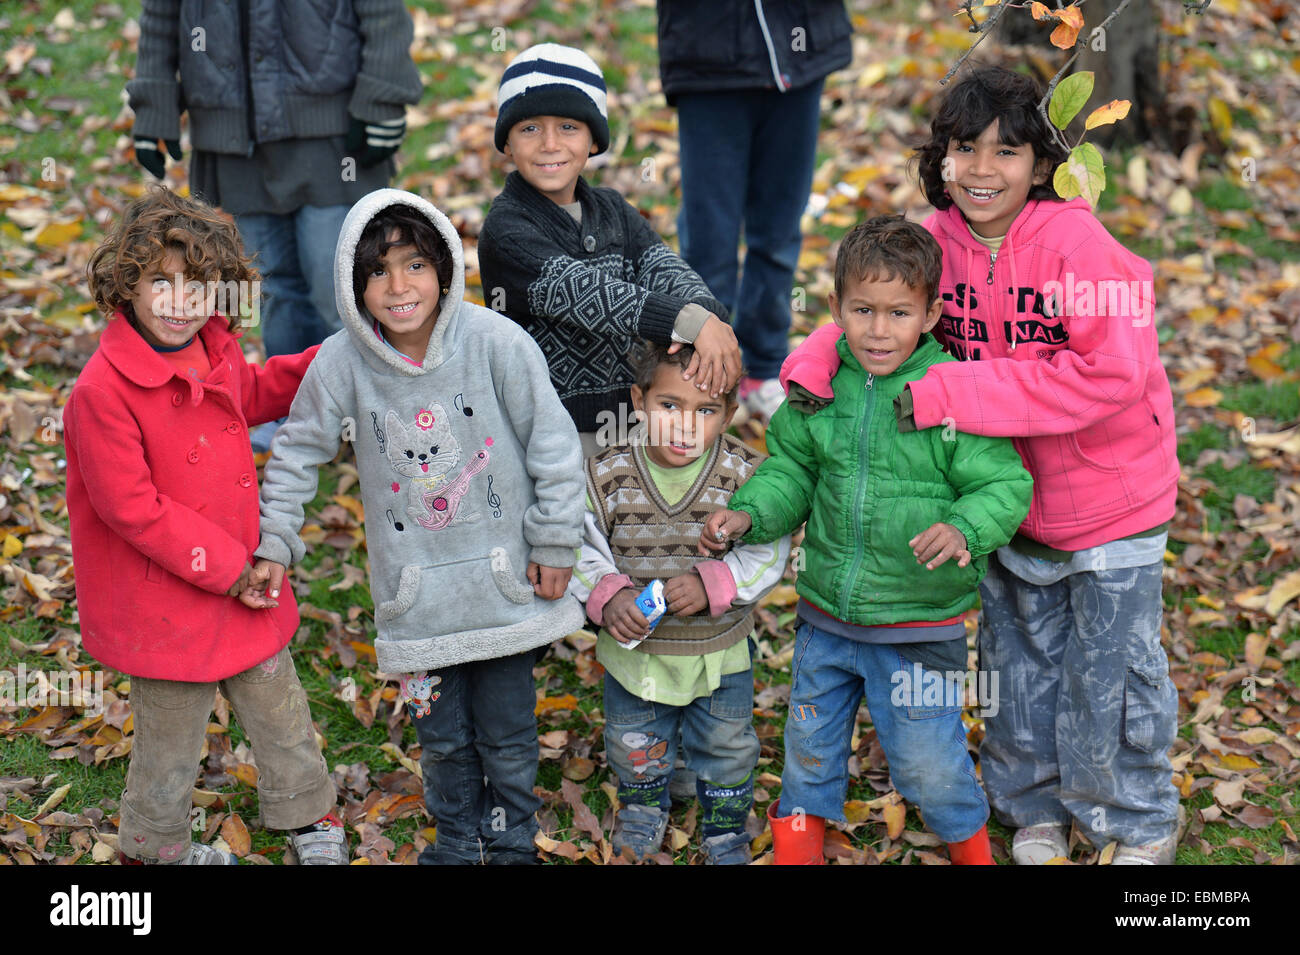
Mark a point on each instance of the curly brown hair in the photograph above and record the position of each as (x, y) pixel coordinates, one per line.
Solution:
(646, 357)
(160, 222)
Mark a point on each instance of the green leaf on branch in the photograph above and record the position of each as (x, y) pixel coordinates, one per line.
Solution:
(1070, 96)
(1082, 174)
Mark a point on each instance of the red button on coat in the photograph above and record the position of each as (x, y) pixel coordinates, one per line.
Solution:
(245, 480)
(193, 456)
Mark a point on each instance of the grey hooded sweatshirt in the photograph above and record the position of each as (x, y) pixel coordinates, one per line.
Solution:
(469, 468)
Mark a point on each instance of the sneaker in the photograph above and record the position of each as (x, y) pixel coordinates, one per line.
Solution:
(761, 397)
(322, 843)
(1160, 852)
(639, 829)
(199, 854)
(729, 848)
(1035, 845)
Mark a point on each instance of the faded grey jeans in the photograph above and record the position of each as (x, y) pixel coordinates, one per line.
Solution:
(293, 784)
(1087, 710)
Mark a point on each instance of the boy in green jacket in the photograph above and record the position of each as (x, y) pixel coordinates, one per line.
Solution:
(878, 503)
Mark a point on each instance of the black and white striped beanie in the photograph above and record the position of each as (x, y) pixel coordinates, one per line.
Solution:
(553, 80)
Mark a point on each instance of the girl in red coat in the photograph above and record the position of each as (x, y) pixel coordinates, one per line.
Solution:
(162, 497)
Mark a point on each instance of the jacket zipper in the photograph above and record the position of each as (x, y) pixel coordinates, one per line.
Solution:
(992, 259)
(771, 50)
(864, 429)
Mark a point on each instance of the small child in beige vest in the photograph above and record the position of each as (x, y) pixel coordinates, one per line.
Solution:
(692, 675)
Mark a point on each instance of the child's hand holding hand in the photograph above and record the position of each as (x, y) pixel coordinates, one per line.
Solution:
(937, 543)
(715, 367)
(685, 594)
(722, 526)
(624, 619)
(261, 585)
(549, 583)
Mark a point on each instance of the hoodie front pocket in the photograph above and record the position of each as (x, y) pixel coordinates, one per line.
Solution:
(464, 588)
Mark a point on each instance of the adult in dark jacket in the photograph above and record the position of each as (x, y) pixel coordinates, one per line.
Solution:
(296, 108)
(746, 78)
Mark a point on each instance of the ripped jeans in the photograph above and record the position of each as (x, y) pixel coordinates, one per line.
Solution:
(171, 718)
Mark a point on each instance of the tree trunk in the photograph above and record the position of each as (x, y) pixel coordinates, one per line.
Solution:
(1125, 60)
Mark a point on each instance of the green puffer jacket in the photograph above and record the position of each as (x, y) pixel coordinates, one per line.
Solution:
(866, 490)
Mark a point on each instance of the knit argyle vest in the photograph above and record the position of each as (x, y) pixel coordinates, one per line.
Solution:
(649, 538)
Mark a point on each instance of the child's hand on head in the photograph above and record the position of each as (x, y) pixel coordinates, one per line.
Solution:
(685, 594)
(715, 367)
(549, 583)
(722, 527)
(623, 618)
(937, 544)
(261, 585)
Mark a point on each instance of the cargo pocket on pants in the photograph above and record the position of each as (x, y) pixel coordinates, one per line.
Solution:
(1150, 707)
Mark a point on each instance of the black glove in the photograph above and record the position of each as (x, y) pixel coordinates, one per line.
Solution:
(147, 154)
(380, 140)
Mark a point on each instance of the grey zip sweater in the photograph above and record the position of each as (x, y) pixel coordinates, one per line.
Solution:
(469, 468)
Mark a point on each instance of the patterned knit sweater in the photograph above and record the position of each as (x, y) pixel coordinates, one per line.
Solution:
(586, 292)
(650, 538)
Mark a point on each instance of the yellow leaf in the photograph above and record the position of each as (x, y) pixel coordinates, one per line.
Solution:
(1203, 398)
(54, 799)
(1236, 761)
(103, 852)
(1197, 376)
(1112, 112)
(894, 814)
(1256, 647)
(12, 546)
(1264, 367)
(1107, 853)
(872, 75)
(1220, 117)
(1040, 11)
(1258, 736)
(352, 505)
(783, 596)
(548, 703)
(1284, 590)
(1205, 600)
(1202, 314)
(1180, 201)
(58, 233)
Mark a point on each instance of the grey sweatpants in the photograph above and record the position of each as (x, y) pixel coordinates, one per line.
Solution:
(1087, 711)
(293, 785)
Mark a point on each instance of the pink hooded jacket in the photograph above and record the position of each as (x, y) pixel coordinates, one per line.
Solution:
(1059, 352)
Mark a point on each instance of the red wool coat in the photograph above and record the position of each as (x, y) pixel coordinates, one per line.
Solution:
(163, 503)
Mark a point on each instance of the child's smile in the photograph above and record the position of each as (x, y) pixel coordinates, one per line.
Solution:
(990, 180)
(167, 313)
(403, 294)
(550, 153)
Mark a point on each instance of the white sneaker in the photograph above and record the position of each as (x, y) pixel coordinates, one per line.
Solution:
(1036, 845)
(763, 401)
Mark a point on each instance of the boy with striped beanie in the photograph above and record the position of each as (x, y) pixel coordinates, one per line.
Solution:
(579, 267)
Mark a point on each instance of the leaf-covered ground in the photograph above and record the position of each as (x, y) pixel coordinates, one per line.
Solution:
(1215, 216)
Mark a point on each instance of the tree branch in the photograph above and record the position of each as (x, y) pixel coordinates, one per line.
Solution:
(985, 29)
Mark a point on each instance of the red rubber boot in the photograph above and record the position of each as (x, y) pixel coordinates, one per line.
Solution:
(797, 839)
(972, 851)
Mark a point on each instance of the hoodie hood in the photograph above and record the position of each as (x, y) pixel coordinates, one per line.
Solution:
(359, 322)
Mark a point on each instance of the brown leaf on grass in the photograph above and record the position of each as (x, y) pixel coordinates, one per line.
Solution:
(1256, 647)
(583, 817)
(246, 773)
(577, 768)
(1256, 817)
(235, 833)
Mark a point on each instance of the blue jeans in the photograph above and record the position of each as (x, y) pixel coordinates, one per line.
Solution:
(747, 161)
(717, 734)
(295, 254)
(1088, 711)
(481, 725)
(925, 745)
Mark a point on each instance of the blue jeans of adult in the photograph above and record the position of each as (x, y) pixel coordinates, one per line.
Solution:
(924, 744)
(717, 734)
(295, 254)
(1087, 711)
(747, 165)
(479, 759)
